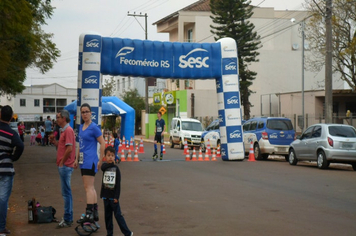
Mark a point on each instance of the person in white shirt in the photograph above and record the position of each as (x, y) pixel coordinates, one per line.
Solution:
(33, 136)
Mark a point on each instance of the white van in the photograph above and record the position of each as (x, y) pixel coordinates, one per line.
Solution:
(185, 128)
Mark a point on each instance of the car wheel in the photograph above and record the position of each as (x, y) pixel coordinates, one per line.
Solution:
(292, 157)
(354, 166)
(257, 151)
(286, 157)
(321, 161)
(171, 141)
(181, 144)
(202, 146)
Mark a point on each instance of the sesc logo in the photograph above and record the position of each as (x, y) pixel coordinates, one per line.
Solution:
(223, 152)
(235, 134)
(233, 100)
(94, 43)
(91, 80)
(231, 66)
(191, 62)
(93, 116)
(124, 51)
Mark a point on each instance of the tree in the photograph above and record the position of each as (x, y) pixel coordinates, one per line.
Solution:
(23, 43)
(109, 86)
(132, 98)
(230, 19)
(344, 38)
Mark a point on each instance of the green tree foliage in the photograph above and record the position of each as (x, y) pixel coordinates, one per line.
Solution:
(230, 19)
(23, 43)
(132, 98)
(344, 38)
(109, 86)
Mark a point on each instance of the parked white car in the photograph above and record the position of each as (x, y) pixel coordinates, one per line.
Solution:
(185, 129)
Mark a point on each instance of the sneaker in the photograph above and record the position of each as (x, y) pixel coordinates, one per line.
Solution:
(96, 215)
(154, 157)
(131, 234)
(81, 220)
(5, 231)
(64, 224)
(161, 156)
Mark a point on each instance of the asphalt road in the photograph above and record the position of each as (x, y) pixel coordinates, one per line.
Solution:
(176, 198)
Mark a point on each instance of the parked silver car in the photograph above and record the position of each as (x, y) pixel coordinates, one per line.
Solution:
(325, 143)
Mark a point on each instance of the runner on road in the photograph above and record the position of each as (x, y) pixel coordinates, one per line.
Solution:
(159, 132)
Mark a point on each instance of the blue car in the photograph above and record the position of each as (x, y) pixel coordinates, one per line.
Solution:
(269, 135)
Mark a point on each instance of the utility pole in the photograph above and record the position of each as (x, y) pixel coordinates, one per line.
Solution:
(303, 49)
(328, 64)
(146, 79)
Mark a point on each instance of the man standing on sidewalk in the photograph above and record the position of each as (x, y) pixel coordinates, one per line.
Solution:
(159, 132)
(11, 148)
(48, 126)
(65, 162)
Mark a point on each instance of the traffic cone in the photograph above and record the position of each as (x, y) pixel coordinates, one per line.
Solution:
(206, 158)
(208, 149)
(218, 154)
(213, 157)
(251, 155)
(200, 158)
(194, 158)
(129, 156)
(127, 145)
(131, 145)
(164, 149)
(141, 149)
(123, 143)
(122, 155)
(185, 147)
(136, 155)
(187, 156)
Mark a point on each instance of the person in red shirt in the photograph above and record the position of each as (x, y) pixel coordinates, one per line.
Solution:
(21, 129)
(65, 162)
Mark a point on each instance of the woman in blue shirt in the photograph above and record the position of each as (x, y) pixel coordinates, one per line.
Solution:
(89, 162)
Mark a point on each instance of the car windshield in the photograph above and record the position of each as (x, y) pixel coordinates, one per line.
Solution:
(342, 131)
(13, 124)
(279, 124)
(189, 125)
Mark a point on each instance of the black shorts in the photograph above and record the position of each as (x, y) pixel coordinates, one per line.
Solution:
(159, 138)
(90, 172)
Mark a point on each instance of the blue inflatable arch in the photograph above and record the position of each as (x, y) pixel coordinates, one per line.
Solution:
(115, 56)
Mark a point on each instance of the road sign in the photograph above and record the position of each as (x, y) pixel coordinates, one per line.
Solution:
(163, 110)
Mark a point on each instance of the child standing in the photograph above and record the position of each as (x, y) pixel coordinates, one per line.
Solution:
(110, 193)
(33, 135)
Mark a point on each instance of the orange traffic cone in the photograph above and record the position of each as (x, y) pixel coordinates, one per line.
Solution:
(206, 158)
(120, 147)
(131, 145)
(129, 157)
(200, 157)
(208, 149)
(185, 147)
(218, 154)
(194, 157)
(187, 156)
(136, 155)
(213, 157)
(251, 155)
(122, 155)
(123, 143)
(141, 150)
(164, 149)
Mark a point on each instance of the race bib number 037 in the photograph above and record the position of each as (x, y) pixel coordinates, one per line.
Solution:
(109, 177)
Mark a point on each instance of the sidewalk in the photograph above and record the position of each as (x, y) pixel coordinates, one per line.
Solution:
(151, 138)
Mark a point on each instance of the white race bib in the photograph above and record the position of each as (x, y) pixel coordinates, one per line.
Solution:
(159, 129)
(109, 178)
(81, 158)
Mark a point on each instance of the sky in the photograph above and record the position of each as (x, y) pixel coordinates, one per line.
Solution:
(109, 18)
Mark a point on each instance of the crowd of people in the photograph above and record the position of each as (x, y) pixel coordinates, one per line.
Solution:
(68, 158)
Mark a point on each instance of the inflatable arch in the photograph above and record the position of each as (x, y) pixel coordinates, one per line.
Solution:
(141, 58)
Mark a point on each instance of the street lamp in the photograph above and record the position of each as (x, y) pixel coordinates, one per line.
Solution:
(302, 24)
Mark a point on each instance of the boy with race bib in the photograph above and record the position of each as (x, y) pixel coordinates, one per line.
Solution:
(159, 132)
(110, 193)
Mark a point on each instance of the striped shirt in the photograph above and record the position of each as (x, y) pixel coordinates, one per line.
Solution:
(11, 148)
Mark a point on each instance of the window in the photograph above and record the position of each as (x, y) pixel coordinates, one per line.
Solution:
(342, 131)
(261, 124)
(129, 82)
(246, 126)
(316, 132)
(190, 36)
(22, 102)
(253, 125)
(37, 102)
(307, 133)
(277, 124)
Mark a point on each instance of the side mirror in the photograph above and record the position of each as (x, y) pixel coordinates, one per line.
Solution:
(298, 137)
